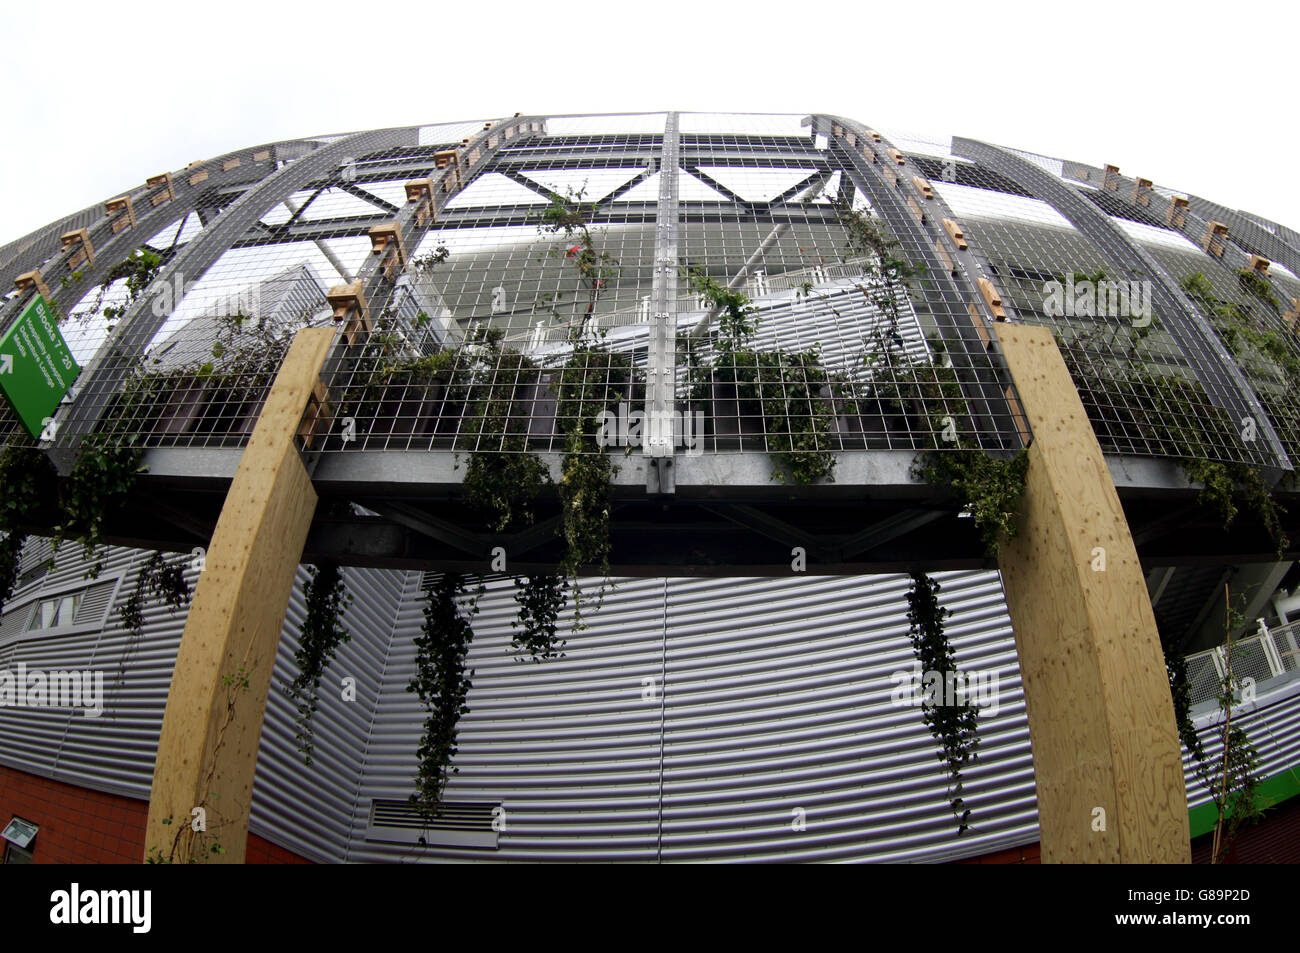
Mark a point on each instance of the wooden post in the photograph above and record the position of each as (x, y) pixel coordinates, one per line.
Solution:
(1107, 760)
(212, 725)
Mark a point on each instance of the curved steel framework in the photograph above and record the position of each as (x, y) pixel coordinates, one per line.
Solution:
(528, 255)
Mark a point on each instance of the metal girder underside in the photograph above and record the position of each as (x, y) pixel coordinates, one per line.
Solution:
(745, 524)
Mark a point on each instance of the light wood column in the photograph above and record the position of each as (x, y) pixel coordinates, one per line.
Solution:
(1101, 720)
(207, 750)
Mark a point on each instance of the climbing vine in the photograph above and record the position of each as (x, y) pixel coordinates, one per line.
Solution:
(990, 487)
(540, 599)
(442, 682)
(569, 216)
(796, 394)
(102, 478)
(1228, 486)
(139, 269)
(503, 478)
(1233, 783)
(319, 638)
(26, 477)
(592, 381)
(1180, 691)
(954, 726)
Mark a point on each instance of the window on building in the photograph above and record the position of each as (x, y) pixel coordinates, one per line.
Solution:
(48, 613)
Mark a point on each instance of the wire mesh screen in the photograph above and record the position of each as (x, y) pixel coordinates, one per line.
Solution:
(498, 285)
(1142, 392)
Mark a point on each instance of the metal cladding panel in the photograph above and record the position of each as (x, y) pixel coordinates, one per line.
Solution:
(568, 746)
(115, 751)
(305, 809)
(308, 808)
(694, 716)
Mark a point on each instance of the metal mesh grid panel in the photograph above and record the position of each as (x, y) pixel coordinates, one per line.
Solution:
(535, 248)
(1140, 391)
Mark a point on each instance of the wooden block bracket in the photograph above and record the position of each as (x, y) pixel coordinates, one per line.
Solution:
(351, 311)
(122, 211)
(386, 241)
(83, 250)
(420, 191)
(32, 280)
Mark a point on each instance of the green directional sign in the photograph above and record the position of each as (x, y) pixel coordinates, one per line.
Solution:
(36, 367)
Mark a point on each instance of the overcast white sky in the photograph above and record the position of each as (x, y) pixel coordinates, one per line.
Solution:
(98, 96)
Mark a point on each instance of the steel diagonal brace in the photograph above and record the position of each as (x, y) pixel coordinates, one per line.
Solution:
(416, 219)
(112, 242)
(41, 248)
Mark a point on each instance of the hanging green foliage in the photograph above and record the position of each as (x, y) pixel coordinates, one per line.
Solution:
(102, 478)
(27, 479)
(158, 579)
(442, 682)
(503, 478)
(540, 599)
(792, 388)
(1228, 486)
(592, 381)
(1180, 690)
(954, 726)
(990, 487)
(319, 639)
(138, 269)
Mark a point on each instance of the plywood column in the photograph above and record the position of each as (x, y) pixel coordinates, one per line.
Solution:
(1107, 761)
(207, 750)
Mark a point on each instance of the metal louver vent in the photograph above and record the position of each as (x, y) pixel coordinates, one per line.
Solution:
(428, 578)
(458, 824)
(37, 571)
(94, 603)
(14, 621)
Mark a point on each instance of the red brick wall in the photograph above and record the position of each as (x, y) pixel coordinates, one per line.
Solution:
(81, 826)
(1028, 854)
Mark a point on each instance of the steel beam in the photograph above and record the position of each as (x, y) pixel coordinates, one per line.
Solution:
(37, 248)
(1244, 238)
(965, 332)
(661, 372)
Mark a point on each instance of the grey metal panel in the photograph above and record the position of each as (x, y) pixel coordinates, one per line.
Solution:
(777, 697)
(1272, 724)
(308, 808)
(114, 752)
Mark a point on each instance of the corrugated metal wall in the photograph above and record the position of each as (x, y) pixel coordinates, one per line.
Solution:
(306, 809)
(768, 695)
(697, 719)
